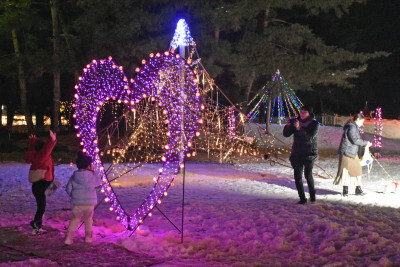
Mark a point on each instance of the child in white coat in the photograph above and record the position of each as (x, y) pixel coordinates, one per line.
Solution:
(81, 189)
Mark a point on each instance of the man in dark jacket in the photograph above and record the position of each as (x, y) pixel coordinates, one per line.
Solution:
(304, 150)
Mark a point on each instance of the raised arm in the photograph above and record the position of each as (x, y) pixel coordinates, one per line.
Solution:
(289, 129)
(46, 150)
(32, 141)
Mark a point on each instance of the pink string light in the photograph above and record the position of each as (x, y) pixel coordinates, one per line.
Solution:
(231, 123)
(362, 126)
(378, 128)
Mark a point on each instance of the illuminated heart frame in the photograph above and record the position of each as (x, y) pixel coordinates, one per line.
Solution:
(103, 80)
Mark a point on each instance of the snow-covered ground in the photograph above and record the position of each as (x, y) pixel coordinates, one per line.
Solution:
(234, 215)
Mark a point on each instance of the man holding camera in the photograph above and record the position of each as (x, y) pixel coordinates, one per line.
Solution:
(304, 150)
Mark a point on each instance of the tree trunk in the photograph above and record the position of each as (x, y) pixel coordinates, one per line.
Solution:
(267, 122)
(216, 34)
(10, 116)
(56, 70)
(39, 120)
(248, 90)
(322, 104)
(211, 58)
(22, 83)
(69, 47)
(266, 17)
(269, 104)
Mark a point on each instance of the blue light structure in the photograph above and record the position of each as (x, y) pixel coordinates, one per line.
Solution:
(182, 35)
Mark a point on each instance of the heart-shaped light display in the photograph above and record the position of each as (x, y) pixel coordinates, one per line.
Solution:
(165, 77)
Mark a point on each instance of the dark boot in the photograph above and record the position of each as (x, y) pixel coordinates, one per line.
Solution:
(345, 191)
(359, 192)
(302, 202)
(312, 197)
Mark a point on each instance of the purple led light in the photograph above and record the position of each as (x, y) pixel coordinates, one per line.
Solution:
(164, 76)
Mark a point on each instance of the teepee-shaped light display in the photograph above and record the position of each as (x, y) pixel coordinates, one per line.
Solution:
(283, 98)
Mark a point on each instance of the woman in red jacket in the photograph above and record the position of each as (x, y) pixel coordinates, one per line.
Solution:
(41, 173)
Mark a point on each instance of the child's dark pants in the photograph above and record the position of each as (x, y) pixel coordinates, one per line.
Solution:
(38, 189)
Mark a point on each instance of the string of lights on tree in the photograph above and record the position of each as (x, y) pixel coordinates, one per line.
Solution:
(378, 128)
(362, 126)
(285, 101)
(67, 110)
(232, 123)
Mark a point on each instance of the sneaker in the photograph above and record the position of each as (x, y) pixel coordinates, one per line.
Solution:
(302, 202)
(39, 231)
(36, 224)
